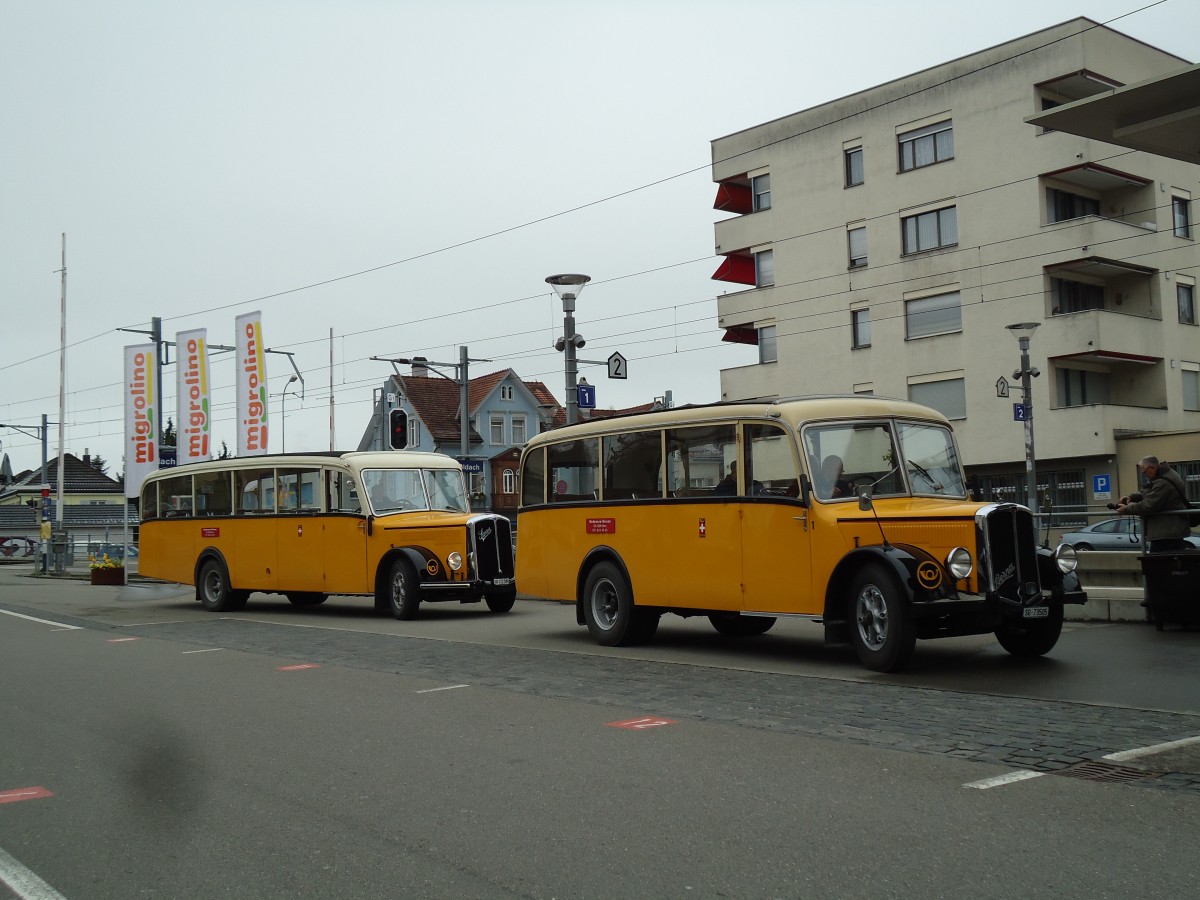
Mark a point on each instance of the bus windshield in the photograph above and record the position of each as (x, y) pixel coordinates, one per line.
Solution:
(397, 490)
(882, 459)
(932, 463)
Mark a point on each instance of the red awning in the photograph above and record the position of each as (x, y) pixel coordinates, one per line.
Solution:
(735, 198)
(738, 269)
(741, 334)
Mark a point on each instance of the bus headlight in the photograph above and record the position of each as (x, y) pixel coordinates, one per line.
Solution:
(959, 563)
(1065, 557)
(454, 560)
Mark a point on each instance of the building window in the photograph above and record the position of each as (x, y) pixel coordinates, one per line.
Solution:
(860, 325)
(506, 392)
(1191, 386)
(1181, 221)
(926, 146)
(1068, 296)
(940, 314)
(931, 230)
(1186, 295)
(496, 429)
(854, 167)
(519, 433)
(766, 345)
(761, 187)
(948, 397)
(858, 247)
(764, 268)
(1063, 205)
(1077, 387)
(509, 479)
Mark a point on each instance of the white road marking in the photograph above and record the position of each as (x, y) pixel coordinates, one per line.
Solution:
(1151, 750)
(23, 882)
(1001, 780)
(209, 650)
(59, 626)
(449, 687)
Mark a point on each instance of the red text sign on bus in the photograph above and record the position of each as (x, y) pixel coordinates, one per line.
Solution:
(210, 532)
(601, 526)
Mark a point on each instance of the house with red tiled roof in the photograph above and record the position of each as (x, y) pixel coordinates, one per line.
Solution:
(504, 411)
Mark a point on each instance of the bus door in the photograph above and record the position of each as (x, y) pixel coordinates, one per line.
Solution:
(699, 534)
(345, 534)
(252, 565)
(300, 544)
(776, 531)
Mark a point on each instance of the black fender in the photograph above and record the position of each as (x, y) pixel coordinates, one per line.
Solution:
(212, 553)
(904, 562)
(599, 553)
(418, 557)
(1053, 579)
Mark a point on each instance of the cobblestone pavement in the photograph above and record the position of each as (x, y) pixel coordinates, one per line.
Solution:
(1036, 735)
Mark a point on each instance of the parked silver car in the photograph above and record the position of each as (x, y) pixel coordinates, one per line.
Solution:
(1124, 533)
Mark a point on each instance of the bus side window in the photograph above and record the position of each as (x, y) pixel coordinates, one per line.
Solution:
(770, 464)
(342, 496)
(702, 460)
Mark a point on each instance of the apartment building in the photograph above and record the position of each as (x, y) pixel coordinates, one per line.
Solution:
(883, 242)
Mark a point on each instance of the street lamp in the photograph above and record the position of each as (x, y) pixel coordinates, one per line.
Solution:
(283, 395)
(568, 287)
(1023, 331)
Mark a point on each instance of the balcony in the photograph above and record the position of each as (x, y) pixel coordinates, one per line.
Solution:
(1090, 189)
(1095, 283)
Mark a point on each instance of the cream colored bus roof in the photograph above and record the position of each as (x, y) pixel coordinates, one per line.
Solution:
(794, 411)
(364, 459)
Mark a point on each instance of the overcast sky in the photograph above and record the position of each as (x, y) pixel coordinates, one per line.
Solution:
(408, 174)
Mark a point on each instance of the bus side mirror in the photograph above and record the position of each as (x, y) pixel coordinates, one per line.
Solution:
(805, 491)
(370, 525)
(864, 501)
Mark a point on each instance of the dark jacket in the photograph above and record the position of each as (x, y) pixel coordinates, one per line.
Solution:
(1165, 491)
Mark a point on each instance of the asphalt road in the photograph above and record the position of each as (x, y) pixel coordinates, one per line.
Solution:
(331, 753)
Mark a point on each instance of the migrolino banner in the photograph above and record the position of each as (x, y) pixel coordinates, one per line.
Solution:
(251, 386)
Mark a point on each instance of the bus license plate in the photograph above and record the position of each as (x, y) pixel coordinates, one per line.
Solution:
(1037, 612)
(502, 581)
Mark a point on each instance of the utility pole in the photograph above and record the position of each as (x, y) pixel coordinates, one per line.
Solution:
(60, 537)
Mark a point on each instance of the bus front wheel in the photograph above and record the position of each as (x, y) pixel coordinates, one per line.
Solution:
(403, 600)
(608, 609)
(500, 602)
(1032, 637)
(214, 591)
(881, 628)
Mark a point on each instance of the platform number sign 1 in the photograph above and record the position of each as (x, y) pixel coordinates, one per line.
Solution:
(617, 366)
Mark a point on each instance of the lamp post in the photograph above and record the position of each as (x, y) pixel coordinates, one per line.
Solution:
(283, 395)
(568, 287)
(1023, 331)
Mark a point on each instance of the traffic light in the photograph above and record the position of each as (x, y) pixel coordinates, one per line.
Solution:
(399, 429)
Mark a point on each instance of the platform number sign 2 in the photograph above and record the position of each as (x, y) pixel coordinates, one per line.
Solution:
(617, 366)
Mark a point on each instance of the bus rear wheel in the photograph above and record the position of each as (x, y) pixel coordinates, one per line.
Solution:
(306, 598)
(214, 591)
(403, 599)
(609, 611)
(881, 628)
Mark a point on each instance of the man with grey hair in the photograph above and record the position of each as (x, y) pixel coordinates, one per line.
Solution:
(1164, 492)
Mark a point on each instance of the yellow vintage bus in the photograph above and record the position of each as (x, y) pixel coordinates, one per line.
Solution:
(852, 511)
(395, 526)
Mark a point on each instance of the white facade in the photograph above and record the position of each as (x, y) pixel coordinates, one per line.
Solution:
(973, 220)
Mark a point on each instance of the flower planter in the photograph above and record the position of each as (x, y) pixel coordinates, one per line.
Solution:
(108, 576)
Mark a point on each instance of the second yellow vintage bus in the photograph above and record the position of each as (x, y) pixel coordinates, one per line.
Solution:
(395, 526)
(849, 510)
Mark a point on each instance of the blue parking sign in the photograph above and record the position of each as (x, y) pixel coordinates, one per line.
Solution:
(1102, 487)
